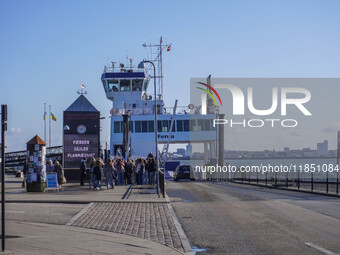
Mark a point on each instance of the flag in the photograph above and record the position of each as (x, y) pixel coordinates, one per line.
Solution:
(53, 117)
(169, 48)
(44, 117)
(82, 86)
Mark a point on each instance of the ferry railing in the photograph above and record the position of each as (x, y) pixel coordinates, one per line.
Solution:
(148, 111)
(179, 110)
(325, 182)
(125, 69)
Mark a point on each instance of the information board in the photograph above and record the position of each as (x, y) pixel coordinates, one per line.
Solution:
(52, 180)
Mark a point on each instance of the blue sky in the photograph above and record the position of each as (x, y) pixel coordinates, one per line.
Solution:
(49, 47)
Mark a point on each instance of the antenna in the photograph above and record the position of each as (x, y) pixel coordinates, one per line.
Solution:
(130, 59)
(113, 65)
(157, 49)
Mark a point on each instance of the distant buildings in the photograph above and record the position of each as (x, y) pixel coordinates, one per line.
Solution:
(188, 150)
(322, 148)
(181, 151)
(321, 151)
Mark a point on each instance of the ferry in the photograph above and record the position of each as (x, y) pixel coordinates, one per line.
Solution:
(132, 132)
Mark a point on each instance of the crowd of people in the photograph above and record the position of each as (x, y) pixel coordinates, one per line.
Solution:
(119, 172)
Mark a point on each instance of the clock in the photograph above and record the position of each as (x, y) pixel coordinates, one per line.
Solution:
(81, 129)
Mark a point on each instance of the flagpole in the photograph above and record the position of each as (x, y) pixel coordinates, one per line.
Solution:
(45, 122)
(49, 117)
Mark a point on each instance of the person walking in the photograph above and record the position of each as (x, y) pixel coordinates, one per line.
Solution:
(60, 173)
(140, 169)
(133, 173)
(120, 170)
(50, 167)
(98, 172)
(92, 176)
(128, 172)
(109, 172)
(82, 171)
(152, 170)
(25, 175)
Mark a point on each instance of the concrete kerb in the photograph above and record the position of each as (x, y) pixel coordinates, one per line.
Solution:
(80, 202)
(181, 233)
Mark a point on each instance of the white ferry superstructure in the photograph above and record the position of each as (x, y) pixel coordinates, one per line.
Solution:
(127, 88)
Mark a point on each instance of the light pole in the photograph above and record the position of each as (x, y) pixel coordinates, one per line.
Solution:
(141, 65)
(3, 130)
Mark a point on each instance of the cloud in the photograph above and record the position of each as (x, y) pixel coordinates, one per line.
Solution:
(15, 130)
(333, 128)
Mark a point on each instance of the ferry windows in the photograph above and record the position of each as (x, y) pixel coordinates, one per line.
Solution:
(186, 125)
(200, 125)
(117, 127)
(125, 85)
(207, 126)
(163, 126)
(144, 126)
(137, 84)
(145, 84)
(138, 126)
(193, 125)
(151, 126)
(180, 127)
(113, 85)
(159, 123)
(131, 126)
(106, 87)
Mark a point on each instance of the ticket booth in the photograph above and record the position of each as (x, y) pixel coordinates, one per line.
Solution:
(36, 165)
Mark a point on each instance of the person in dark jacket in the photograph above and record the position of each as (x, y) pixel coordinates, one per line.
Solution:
(60, 173)
(82, 171)
(92, 177)
(98, 172)
(128, 172)
(152, 170)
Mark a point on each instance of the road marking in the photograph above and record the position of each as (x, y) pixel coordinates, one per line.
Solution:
(14, 212)
(79, 214)
(321, 249)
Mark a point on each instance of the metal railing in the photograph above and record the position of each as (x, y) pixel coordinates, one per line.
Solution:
(325, 182)
(18, 158)
(179, 110)
(162, 181)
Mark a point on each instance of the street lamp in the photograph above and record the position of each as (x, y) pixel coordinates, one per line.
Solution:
(141, 65)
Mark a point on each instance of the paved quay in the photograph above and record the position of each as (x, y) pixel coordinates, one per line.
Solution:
(40, 238)
(126, 220)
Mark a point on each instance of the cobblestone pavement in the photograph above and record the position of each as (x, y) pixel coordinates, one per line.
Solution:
(150, 221)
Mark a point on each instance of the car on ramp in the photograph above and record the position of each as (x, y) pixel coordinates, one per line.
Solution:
(184, 172)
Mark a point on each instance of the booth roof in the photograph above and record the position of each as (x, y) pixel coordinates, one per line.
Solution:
(36, 140)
